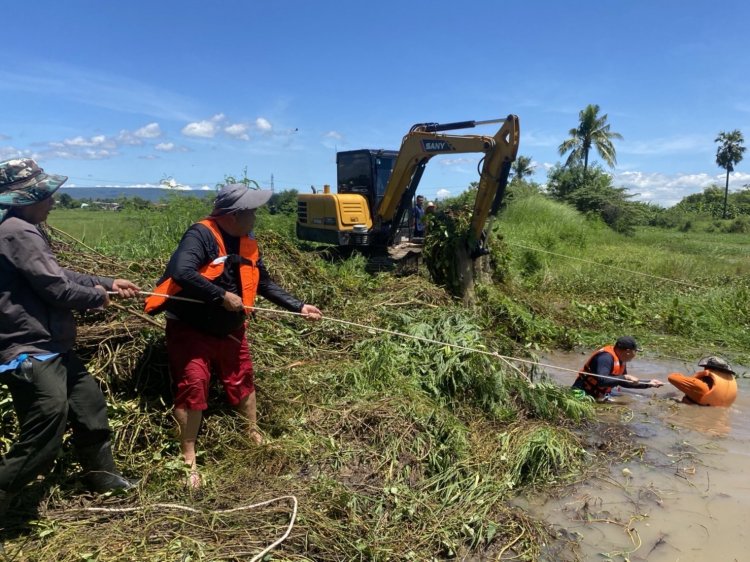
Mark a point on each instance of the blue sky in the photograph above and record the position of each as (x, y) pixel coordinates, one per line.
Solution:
(130, 94)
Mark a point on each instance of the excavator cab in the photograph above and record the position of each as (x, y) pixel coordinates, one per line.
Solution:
(366, 172)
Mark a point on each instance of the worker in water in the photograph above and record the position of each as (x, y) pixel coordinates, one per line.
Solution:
(715, 385)
(607, 368)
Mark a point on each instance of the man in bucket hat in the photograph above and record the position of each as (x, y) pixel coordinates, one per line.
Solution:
(217, 264)
(48, 382)
(715, 385)
(607, 368)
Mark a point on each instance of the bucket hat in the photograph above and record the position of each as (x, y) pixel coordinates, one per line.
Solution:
(713, 362)
(239, 197)
(23, 182)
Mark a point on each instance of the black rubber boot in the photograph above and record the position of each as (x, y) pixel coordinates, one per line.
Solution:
(6, 498)
(99, 470)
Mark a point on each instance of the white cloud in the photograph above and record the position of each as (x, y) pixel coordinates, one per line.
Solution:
(237, 130)
(333, 140)
(98, 147)
(668, 190)
(4, 137)
(9, 152)
(165, 146)
(90, 154)
(442, 194)
(150, 131)
(204, 129)
(82, 142)
(263, 124)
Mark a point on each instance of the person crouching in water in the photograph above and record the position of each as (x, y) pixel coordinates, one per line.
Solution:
(715, 385)
(217, 263)
(607, 368)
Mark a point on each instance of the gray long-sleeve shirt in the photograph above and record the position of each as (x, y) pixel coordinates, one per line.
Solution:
(37, 296)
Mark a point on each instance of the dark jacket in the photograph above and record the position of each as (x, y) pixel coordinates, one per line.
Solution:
(37, 296)
(197, 248)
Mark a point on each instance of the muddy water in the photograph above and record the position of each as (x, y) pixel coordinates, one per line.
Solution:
(686, 500)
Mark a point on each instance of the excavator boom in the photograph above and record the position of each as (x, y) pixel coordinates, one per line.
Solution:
(424, 141)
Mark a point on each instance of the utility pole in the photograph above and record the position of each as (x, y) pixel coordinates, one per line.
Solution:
(271, 182)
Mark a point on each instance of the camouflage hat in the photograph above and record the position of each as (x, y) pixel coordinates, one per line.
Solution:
(713, 362)
(23, 182)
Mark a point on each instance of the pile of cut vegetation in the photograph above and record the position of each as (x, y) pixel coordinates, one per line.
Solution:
(393, 447)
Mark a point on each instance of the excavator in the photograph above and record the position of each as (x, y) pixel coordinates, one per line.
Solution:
(375, 188)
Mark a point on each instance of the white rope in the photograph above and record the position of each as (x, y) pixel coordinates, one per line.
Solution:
(177, 506)
(494, 354)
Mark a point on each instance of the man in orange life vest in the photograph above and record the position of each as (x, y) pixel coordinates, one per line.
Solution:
(218, 263)
(607, 368)
(713, 386)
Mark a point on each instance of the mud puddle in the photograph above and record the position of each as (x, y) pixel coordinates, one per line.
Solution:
(686, 498)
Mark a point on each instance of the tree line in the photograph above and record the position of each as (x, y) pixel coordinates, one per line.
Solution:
(591, 190)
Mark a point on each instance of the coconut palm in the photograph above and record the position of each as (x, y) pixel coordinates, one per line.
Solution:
(593, 130)
(728, 155)
(522, 168)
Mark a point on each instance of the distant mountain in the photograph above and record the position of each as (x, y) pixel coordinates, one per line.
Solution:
(147, 193)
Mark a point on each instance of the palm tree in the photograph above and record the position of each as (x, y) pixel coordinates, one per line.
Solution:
(592, 130)
(728, 155)
(522, 168)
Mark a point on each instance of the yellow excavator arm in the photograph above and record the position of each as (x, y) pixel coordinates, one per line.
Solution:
(375, 188)
(424, 141)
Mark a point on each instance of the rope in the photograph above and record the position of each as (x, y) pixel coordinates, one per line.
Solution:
(505, 358)
(610, 266)
(255, 558)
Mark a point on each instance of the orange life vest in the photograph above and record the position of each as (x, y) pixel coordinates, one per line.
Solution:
(707, 388)
(590, 383)
(249, 273)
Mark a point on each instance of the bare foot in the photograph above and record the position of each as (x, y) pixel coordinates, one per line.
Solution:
(256, 436)
(194, 480)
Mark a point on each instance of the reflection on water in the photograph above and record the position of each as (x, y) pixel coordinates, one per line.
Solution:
(687, 500)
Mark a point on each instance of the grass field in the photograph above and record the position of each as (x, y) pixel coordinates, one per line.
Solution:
(395, 448)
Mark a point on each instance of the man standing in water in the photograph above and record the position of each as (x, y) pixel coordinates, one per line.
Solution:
(48, 382)
(607, 368)
(218, 264)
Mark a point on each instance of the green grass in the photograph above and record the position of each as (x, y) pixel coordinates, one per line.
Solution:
(681, 293)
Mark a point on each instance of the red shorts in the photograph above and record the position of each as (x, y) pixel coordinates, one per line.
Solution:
(192, 355)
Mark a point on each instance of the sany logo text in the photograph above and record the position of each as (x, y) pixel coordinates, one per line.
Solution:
(436, 146)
